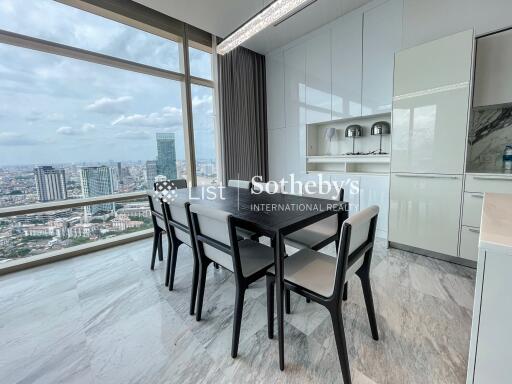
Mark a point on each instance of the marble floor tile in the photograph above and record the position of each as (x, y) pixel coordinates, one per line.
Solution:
(107, 318)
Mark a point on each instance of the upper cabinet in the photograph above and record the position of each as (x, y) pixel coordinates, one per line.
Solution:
(382, 36)
(318, 77)
(347, 63)
(295, 85)
(275, 89)
(493, 78)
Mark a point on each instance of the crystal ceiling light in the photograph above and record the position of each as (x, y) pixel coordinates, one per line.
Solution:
(268, 16)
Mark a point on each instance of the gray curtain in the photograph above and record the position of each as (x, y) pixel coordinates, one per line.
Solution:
(243, 114)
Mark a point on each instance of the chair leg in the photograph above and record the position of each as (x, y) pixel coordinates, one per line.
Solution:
(193, 293)
(368, 299)
(216, 266)
(155, 245)
(168, 266)
(203, 268)
(160, 251)
(341, 344)
(308, 300)
(345, 292)
(239, 307)
(287, 301)
(174, 258)
(270, 306)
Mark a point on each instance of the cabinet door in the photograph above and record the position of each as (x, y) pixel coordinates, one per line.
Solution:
(275, 89)
(424, 211)
(295, 85)
(440, 63)
(374, 190)
(382, 35)
(347, 63)
(277, 163)
(351, 186)
(429, 132)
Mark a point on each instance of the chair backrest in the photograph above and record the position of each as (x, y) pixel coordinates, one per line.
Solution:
(264, 187)
(157, 212)
(243, 184)
(214, 234)
(332, 225)
(164, 188)
(177, 220)
(356, 244)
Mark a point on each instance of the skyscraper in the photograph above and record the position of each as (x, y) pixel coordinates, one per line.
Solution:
(120, 172)
(97, 181)
(166, 155)
(150, 172)
(50, 183)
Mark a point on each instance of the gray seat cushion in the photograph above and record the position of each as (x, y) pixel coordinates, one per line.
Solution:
(315, 271)
(313, 234)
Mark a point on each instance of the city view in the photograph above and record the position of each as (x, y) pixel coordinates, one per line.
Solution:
(27, 235)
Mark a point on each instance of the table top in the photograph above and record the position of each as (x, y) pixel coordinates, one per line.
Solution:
(265, 213)
(496, 228)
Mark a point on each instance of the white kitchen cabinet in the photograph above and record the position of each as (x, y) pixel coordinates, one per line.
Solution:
(374, 190)
(429, 132)
(347, 65)
(351, 185)
(277, 161)
(295, 85)
(472, 209)
(424, 211)
(318, 77)
(442, 63)
(469, 243)
(493, 80)
(382, 36)
(275, 89)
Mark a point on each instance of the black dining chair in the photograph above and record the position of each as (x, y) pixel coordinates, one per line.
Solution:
(322, 278)
(216, 239)
(159, 227)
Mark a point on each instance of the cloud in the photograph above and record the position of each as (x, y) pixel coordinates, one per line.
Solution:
(133, 135)
(16, 139)
(167, 117)
(107, 105)
(73, 131)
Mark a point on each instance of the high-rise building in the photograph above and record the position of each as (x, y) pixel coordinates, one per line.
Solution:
(97, 181)
(50, 183)
(166, 155)
(120, 173)
(150, 172)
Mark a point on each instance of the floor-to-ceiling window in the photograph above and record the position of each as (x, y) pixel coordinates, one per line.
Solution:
(92, 107)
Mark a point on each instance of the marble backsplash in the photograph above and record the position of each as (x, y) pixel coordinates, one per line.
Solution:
(489, 133)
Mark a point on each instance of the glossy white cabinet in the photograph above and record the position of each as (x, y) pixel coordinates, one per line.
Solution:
(469, 243)
(275, 89)
(424, 211)
(382, 36)
(374, 190)
(347, 65)
(440, 63)
(318, 77)
(277, 157)
(472, 209)
(295, 85)
(429, 132)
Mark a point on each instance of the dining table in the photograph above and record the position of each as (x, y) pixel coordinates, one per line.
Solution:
(274, 215)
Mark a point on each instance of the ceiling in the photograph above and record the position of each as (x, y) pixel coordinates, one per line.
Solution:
(221, 17)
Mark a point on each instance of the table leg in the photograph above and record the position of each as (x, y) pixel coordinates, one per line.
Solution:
(278, 259)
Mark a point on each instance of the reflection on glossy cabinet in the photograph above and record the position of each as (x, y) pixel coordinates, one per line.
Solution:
(374, 190)
(318, 77)
(382, 35)
(295, 85)
(429, 132)
(351, 186)
(276, 155)
(275, 89)
(347, 63)
(424, 211)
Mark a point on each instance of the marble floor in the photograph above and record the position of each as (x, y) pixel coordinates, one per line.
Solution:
(106, 318)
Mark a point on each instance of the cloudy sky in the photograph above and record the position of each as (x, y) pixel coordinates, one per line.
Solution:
(59, 110)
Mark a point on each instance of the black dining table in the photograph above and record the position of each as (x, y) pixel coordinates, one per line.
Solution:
(272, 215)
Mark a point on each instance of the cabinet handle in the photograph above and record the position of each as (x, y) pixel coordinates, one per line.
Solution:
(427, 176)
(473, 230)
(502, 178)
(477, 195)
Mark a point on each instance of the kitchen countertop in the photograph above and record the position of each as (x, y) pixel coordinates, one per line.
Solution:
(496, 227)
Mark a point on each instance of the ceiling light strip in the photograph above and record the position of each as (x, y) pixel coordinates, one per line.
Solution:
(268, 16)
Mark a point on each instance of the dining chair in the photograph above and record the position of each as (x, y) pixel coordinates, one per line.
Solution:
(243, 184)
(217, 241)
(159, 227)
(322, 278)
